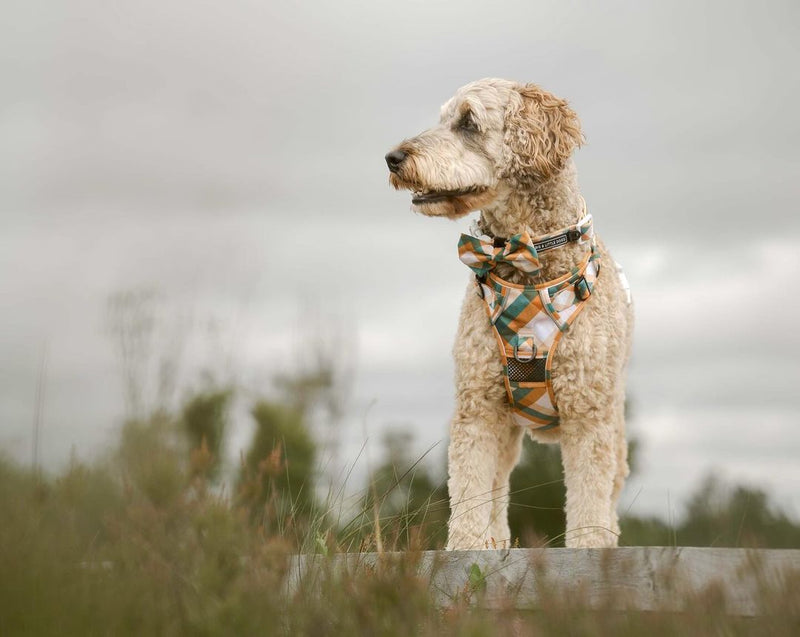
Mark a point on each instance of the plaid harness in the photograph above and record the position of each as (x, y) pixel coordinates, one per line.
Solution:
(528, 320)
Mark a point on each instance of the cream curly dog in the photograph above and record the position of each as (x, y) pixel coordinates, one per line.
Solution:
(505, 149)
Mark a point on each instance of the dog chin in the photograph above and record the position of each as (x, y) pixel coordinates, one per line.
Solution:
(454, 207)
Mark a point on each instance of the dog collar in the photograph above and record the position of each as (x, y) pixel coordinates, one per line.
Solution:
(483, 252)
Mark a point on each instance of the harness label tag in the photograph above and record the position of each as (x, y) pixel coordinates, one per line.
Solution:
(549, 244)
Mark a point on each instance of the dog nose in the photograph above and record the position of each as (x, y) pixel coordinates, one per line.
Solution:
(394, 159)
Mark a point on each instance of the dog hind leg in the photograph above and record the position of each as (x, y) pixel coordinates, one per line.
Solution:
(620, 476)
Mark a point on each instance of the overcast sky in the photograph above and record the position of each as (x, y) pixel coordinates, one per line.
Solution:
(229, 157)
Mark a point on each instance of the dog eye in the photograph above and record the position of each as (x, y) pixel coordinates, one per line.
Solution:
(467, 122)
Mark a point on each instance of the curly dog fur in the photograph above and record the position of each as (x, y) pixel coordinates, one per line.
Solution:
(505, 149)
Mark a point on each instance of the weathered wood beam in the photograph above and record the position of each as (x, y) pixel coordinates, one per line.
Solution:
(631, 578)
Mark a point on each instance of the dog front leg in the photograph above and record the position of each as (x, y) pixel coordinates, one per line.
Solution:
(511, 448)
(479, 431)
(473, 456)
(589, 455)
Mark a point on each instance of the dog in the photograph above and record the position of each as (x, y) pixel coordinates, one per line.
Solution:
(506, 149)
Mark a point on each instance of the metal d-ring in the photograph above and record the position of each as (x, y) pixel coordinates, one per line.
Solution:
(524, 359)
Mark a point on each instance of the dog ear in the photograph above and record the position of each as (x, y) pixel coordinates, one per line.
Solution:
(541, 131)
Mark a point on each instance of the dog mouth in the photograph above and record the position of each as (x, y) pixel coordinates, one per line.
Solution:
(433, 196)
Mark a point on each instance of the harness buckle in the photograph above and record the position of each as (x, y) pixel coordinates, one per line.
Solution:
(582, 290)
(523, 358)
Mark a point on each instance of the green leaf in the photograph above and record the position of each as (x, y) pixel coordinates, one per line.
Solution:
(477, 580)
(322, 546)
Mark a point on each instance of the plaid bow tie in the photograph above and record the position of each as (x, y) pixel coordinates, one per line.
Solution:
(481, 256)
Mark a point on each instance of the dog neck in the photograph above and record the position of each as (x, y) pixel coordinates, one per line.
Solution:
(550, 207)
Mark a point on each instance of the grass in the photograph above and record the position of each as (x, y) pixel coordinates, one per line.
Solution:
(140, 544)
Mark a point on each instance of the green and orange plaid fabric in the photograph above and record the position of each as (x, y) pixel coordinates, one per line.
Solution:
(482, 256)
(528, 320)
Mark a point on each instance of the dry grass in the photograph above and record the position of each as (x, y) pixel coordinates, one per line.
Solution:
(141, 545)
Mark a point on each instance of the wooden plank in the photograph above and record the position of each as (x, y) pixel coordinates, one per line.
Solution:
(630, 578)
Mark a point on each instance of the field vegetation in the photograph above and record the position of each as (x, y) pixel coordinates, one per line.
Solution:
(149, 541)
(158, 537)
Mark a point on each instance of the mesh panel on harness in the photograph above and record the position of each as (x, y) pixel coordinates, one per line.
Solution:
(529, 372)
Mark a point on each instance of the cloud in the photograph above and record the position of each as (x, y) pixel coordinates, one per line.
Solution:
(232, 160)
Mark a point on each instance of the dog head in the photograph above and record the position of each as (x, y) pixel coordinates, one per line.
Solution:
(493, 135)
